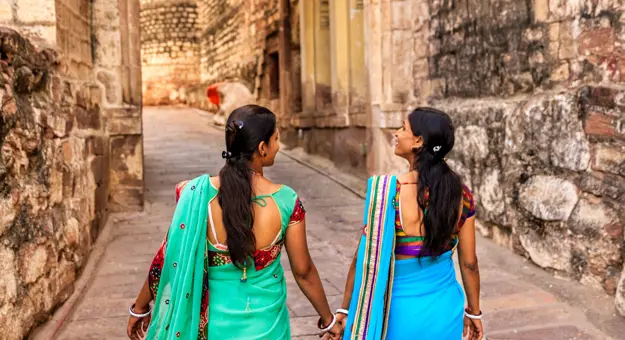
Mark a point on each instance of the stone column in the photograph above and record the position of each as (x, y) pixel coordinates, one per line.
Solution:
(323, 78)
(117, 70)
(389, 50)
(340, 58)
(357, 68)
(286, 107)
(307, 38)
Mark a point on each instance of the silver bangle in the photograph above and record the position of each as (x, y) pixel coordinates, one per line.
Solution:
(329, 327)
(342, 311)
(131, 312)
(472, 316)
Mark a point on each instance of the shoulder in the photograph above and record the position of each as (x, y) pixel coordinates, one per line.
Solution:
(466, 193)
(287, 191)
(180, 186)
(380, 181)
(382, 178)
(468, 202)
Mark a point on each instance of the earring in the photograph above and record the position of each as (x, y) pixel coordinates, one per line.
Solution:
(264, 154)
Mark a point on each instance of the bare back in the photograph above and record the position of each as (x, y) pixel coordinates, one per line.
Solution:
(267, 226)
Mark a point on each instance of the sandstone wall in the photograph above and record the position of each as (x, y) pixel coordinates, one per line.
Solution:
(71, 144)
(52, 181)
(170, 50)
(535, 91)
(228, 40)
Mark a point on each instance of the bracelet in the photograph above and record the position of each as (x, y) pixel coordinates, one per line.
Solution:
(342, 311)
(329, 327)
(472, 316)
(130, 310)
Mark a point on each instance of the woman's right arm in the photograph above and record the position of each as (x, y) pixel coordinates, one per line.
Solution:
(306, 274)
(349, 284)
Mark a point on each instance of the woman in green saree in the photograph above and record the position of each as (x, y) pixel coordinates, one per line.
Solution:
(217, 274)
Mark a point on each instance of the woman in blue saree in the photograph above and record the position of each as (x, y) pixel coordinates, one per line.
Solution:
(402, 282)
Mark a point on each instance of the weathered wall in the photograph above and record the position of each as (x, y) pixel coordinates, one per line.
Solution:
(228, 41)
(70, 136)
(170, 50)
(33, 18)
(535, 91)
(53, 182)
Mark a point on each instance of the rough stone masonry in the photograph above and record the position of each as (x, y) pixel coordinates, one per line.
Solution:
(70, 144)
(51, 194)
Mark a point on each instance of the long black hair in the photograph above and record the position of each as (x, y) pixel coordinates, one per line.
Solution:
(442, 207)
(246, 128)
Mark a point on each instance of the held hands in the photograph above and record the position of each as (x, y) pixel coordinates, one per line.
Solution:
(340, 321)
(138, 322)
(333, 330)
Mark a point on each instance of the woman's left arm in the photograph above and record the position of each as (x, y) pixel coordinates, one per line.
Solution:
(470, 272)
(469, 269)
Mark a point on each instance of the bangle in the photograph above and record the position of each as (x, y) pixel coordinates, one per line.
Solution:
(329, 327)
(472, 316)
(130, 310)
(342, 311)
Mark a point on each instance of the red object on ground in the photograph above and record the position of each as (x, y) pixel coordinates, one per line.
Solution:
(212, 94)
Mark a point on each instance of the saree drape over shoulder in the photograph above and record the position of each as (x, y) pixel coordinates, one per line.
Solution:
(408, 298)
(190, 276)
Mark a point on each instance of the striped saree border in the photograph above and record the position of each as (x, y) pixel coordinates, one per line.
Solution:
(378, 208)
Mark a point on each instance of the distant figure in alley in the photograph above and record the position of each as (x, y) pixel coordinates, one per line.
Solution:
(402, 282)
(222, 250)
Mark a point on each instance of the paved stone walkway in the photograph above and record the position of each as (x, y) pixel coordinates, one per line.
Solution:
(519, 300)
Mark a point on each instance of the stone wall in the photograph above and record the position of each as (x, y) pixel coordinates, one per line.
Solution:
(535, 91)
(70, 136)
(547, 172)
(170, 50)
(228, 40)
(53, 181)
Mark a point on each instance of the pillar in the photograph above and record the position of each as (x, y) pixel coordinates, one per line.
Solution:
(323, 78)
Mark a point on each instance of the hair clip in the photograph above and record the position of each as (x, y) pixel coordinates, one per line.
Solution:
(436, 148)
(238, 124)
(226, 154)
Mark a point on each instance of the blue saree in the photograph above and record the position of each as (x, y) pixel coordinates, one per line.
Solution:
(400, 299)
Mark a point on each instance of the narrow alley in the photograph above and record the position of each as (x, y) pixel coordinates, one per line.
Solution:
(519, 300)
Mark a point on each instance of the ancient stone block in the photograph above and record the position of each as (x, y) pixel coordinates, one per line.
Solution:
(8, 281)
(597, 41)
(33, 263)
(31, 11)
(491, 196)
(548, 198)
(593, 220)
(126, 155)
(126, 199)
(88, 118)
(541, 10)
(111, 88)
(602, 125)
(619, 300)
(475, 141)
(609, 159)
(548, 249)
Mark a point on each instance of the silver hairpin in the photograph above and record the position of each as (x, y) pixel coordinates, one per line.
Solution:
(437, 148)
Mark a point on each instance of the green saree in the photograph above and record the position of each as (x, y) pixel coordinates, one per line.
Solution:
(188, 267)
